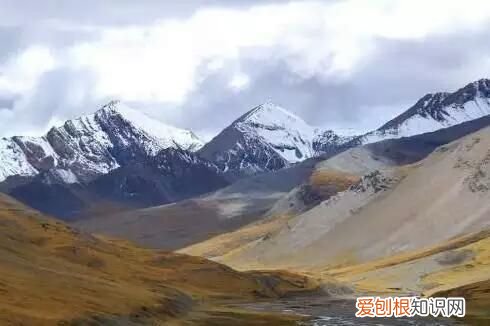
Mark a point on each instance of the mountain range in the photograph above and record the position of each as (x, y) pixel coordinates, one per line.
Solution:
(92, 145)
(119, 158)
(400, 210)
(268, 199)
(378, 214)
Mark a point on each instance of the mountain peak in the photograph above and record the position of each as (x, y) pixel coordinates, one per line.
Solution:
(269, 113)
(435, 111)
(111, 105)
(478, 88)
(116, 107)
(92, 145)
(482, 83)
(167, 135)
(266, 138)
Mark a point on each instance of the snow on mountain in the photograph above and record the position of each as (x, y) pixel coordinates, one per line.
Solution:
(165, 135)
(267, 138)
(13, 161)
(331, 141)
(287, 134)
(270, 138)
(92, 145)
(437, 111)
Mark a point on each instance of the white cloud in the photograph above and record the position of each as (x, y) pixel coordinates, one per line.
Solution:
(167, 60)
(239, 82)
(21, 73)
(161, 62)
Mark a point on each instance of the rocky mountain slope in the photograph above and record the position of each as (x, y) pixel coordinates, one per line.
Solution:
(112, 282)
(331, 142)
(92, 145)
(437, 111)
(382, 214)
(190, 221)
(118, 145)
(334, 174)
(267, 138)
(258, 198)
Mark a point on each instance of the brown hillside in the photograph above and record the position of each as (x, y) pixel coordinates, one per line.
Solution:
(52, 273)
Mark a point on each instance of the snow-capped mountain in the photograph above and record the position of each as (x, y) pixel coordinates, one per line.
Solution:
(92, 145)
(266, 138)
(269, 138)
(286, 133)
(172, 175)
(437, 111)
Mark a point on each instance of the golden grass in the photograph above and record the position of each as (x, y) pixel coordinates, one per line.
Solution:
(423, 272)
(338, 181)
(477, 300)
(51, 273)
(476, 270)
(409, 256)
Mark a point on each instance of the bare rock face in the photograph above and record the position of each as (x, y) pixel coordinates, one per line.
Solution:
(376, 181)
(478, 179)
(330, 142)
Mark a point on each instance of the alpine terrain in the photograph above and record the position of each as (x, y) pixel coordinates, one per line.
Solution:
(116, 158)
(400, 210)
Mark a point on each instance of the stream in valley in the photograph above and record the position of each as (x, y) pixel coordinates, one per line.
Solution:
(327, 311)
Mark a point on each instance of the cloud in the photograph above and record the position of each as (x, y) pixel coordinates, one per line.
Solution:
(60, 94)
(200, 64)
(160, 62)
(239, 82)
(20, 73)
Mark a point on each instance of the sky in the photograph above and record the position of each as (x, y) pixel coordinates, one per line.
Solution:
(201, 64)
